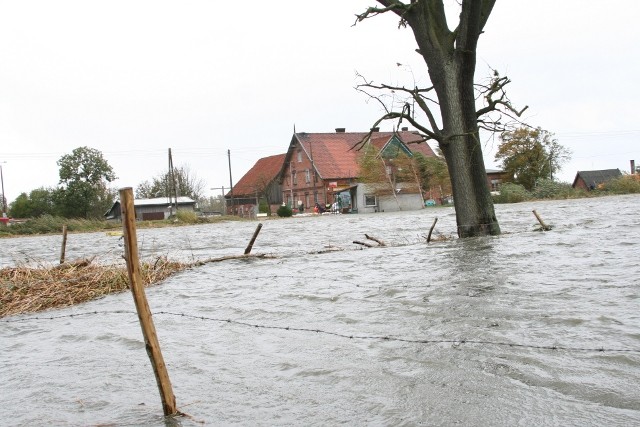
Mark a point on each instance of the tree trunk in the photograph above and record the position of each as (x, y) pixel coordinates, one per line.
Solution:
(461, 147)
(451, 61)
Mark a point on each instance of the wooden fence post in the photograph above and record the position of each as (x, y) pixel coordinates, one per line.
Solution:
(140, 299)
(64, 243)
(253, 239)
(544, 226)
(431, 229)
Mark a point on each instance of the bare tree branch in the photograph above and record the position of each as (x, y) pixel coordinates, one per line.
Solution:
(395, 6)
(416, 94)
(404, 115)
(496, 88)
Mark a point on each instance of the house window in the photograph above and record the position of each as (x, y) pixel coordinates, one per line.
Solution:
(495, 184)
(388, 170)
(370, 200)
(299, 156)
(307, 176)
(294, 177)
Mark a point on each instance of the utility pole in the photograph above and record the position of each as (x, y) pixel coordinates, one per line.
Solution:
(230, 181)
(172, 185)
(4, 197)
(224, 200)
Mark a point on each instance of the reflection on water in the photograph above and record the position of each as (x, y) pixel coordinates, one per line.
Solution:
(575, 288)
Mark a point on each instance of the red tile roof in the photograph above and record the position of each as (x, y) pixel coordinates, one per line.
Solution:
(262, 173)
(333, 154)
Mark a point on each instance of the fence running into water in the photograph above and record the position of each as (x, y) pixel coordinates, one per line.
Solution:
(491, 331)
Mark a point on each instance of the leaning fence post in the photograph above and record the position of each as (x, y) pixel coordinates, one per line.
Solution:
(544, 226)
(64, 243)
(144, 313)
(253, 239)
(431, 229)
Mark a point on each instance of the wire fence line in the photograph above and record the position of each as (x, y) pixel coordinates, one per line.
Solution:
(391, 338)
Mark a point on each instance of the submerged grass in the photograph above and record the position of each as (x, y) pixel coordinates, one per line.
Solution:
(28, 290)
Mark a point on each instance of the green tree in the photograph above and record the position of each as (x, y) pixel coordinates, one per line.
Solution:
(372, 168)
(528, 155)
(450, 57)
(379, 171)
(433, 174)
(38, 202)
(83, 191)
(186, 184)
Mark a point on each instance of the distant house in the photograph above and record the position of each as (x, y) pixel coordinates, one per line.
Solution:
(495, 178)
(590, 180)
(323, 169)
(260, 184)
(152, 209)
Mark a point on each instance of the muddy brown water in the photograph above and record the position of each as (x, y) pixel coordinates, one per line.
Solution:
(471, 325)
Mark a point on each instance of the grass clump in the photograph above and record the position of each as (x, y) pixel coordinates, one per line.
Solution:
(28, 290)
(512, 193)
(48, 224)
(550, 189)
(626, 184)
(187, 217)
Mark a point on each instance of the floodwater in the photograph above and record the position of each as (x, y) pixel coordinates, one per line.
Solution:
(495, 331)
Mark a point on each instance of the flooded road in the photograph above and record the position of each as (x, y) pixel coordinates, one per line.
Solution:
(496, 331)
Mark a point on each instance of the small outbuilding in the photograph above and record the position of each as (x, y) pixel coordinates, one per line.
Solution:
(590, 180)
(158, 208)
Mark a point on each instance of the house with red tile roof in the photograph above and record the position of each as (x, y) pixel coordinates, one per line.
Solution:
(261, 184)
(323, 169)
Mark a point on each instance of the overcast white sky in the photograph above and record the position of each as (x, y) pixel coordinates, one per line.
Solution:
(134, 78)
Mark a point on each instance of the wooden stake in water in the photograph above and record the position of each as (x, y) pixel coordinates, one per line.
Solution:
(431, 229)
(140, 299)
(544, 226)
(64, 243)
(253, 239)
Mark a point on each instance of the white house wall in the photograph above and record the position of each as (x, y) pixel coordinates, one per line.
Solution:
(388, 203)
(407, 202)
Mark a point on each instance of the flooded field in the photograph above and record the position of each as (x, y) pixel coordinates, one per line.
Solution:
(528, 328)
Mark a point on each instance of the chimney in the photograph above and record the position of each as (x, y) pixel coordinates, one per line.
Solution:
(633, 166)
(375, 129)
(405, 129)
(341, 130)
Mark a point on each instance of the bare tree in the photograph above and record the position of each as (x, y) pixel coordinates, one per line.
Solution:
(450, 56)
(187, 184)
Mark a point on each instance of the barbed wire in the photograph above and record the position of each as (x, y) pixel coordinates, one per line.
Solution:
(390, 338)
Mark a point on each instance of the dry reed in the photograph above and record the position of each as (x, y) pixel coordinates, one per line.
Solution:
(28, 290)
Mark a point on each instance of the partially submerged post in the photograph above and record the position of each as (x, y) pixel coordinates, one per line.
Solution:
(431, 229)
(544, 226)
(140, 299)
(64, 243)
(378, 241)
(253, 239)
